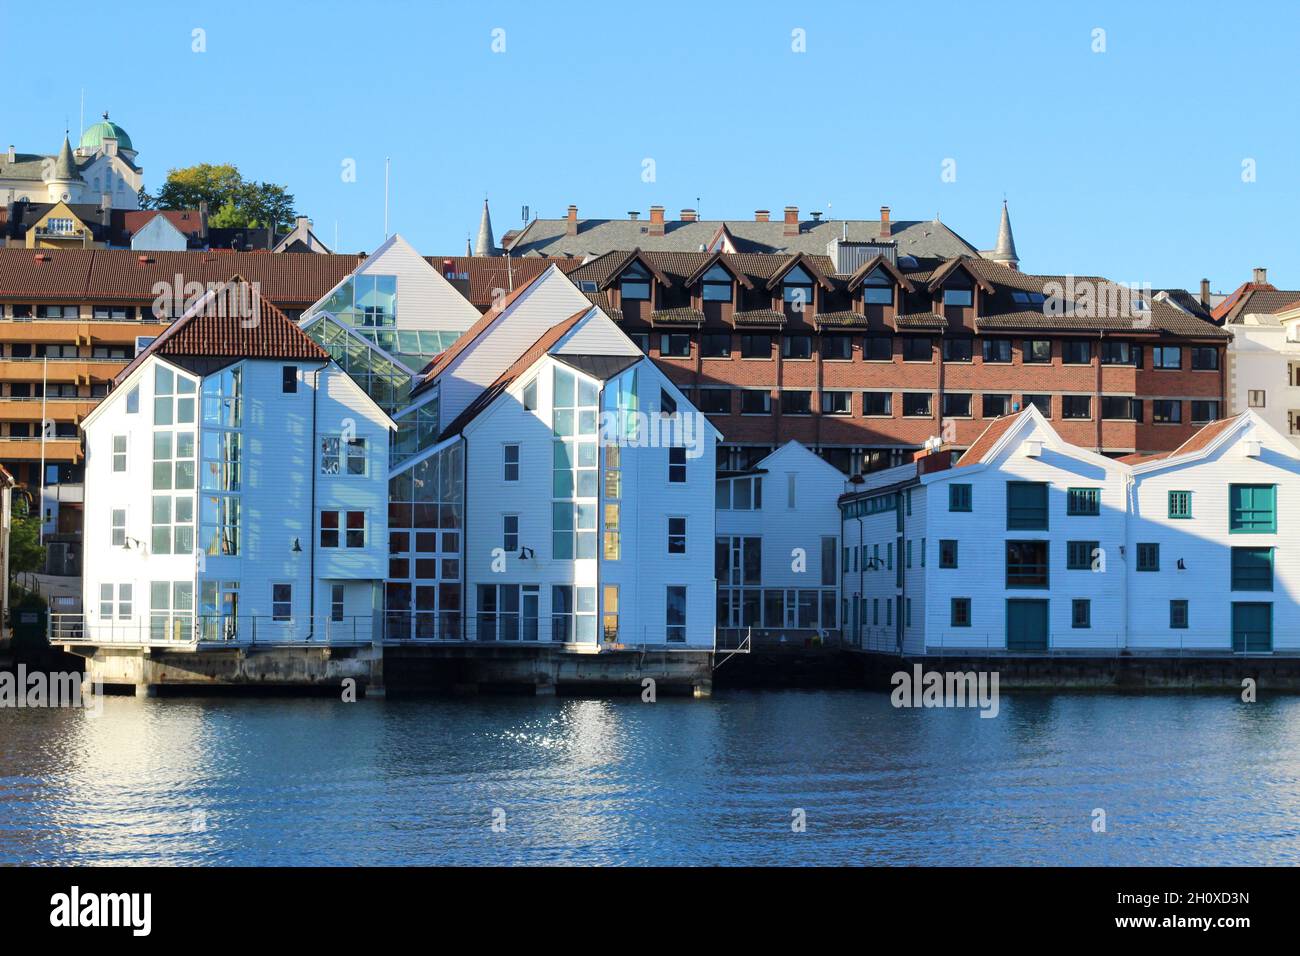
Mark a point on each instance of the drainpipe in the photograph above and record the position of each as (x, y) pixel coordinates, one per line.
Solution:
(1101, 336)
(311, 523)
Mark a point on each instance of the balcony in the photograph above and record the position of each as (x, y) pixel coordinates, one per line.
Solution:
(29, 449)
(56, 409)
(74, 370)
(79, 331)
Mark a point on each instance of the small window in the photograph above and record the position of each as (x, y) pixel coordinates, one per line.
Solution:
(510, 533)
(1081, 613)
(960, 612)
(1166, 411)
(1205, 359)
(1148, 557)
(997, 350)
(958, 349)
(676, 535)
(1076, 352)
(117, 527)
(958, 297)
(1036, 352)
(715, 345)
(1255, 398)
(1178, 615)
(1076, 406)
(530, 396)
(133, 401)
(1180, 504)
(1079, 555)
(917, 348)
(756, 346)
(677, 464)
(796, 346)
(356, 530)
(878, 348)
(1083, 501)
(837, 403)
(995, 406)
(715, 401)
(1166, 356)
(956, 404)
(796, 402)
(755, 402)
(1204, 412)
(337, 592)
(947, 552)
(917, 404)
(837, 348)
(1041, 402)
(281, 602)
(675, 617)
(119, 453)
(510, 462)
(878, 403)
(289, 382)
(675, 345)
(959, 497)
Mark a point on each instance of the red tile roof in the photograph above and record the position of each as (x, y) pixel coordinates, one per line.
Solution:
(257, 329)
(988, 438)
(1203, 438)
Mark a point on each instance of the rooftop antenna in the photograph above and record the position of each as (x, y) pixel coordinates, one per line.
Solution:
(83, 111)
(386, 166)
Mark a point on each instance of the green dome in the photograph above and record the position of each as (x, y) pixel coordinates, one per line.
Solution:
(95, 135)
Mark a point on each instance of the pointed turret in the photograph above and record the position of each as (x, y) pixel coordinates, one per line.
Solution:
(485, 246)
(1005, 250)
(65, 167)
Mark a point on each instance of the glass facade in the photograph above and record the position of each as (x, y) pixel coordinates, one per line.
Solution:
(426, 514)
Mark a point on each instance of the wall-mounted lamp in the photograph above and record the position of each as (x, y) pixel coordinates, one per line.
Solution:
(297, 546)
(526, 553)
(1182, 565)
(133, 543)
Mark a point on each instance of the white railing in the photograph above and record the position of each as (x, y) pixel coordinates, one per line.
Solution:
(174, 630)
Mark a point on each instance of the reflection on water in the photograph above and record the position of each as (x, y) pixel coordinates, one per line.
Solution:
(1183, 780)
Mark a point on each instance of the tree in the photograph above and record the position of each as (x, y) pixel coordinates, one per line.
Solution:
(26, 553)
(235, 203)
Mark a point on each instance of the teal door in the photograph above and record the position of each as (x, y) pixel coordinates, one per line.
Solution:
(1026, 625)
(1252, 627)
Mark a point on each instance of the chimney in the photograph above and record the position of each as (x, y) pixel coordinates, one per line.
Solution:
(656, 221)
(571, 226)
(303, 223)
(13, 156)
(448, 268)
(1261, 276)
(634, 214)
(761, 215)
(1205, 293)
(688, 215)
(203, 220)
(816, 216)
(885, 228)
(791, 221)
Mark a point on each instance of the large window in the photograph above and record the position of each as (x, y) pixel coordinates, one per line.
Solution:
(958, 349)
(1117, 352)
(575, 475)
(343, 529)
(365, 301)
(797, 289)
(1205, 358)
(1027, 505)
(878, 348)
(716, 286)
(756, 346)
(507, 612)
(917, 404)
(173, 526)
(342, 457)
(956, 404)
(1166, 356)
(1036, 351)
(878, 288)
(1252, 569)
(1204, 412)
(1076, 352)
(837, 347)
(634, 284)
(917, 348)
(1166, 411)
(1027, 564)
(675, 616)
(715, 345)
(959, 291)
(878, 403)
(796, 346)
(1252, 509)
(796, 402)
(755, 402)
(1076, 406)
(837, 403)
(573, 613)
(1121, 408)
(997, 350)
(995, 406)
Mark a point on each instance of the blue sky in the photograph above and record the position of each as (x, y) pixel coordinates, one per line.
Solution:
(1126, 163)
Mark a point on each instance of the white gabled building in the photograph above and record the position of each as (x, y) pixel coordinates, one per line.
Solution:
(777, 554)
(1264, 368)
(236, 485)
(1032, 546)
(580, 525)
(1215, 566)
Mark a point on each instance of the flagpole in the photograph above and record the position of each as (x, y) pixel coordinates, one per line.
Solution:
(40, 506)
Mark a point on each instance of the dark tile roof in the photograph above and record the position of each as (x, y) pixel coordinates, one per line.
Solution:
(677, 317)
(487, 274)
(602, 367)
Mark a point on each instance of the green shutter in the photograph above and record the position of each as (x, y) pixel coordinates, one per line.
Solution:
(1027, 505)
(1252, 509)
(1083, 501)
(1252, 627)
(1252, 569)
(959, 497)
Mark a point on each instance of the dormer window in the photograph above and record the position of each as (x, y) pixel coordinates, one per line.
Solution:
(717, 285)
(635, 282)
(959, 291)
(798, 288)
(878, 289)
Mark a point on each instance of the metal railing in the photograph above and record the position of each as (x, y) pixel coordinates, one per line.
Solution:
(1080, 642)
(176, 629)
(579, 632)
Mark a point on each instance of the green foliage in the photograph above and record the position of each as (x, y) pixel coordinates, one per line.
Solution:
(237, 202)
(26, 553)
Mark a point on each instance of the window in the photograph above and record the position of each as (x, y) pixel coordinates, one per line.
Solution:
(917, 404)
(1079, 555)
(878, 348)
(1081, 613)
(995, 406)
(878, 403)
(675, 617)
(1121, 408)
(133, 401)
(878, 288)
(117, 527)
(530, 396)
(1255, 398)
(796, 402)
(342, 457)
(830, 559)
(959, 292)
(755, 402)
(1204, 412)
(1114, 352)
(353, 531)
(510, 533)
(956, 404)
(119, 453)
(675, 345)
(337, 592)
(1027, 505)
(836, 348)
(510, 462)
(573, 613)
(635, 282)
(716, 286)
(1178, 615)
(1252, 509)
(1166, 356)
(960, 612)
(947, 552)
(715, 401)
(1076, 352)
(1076, 406)
(173, 527)
(289, 379)
(1148, 557)
(739, 494)
(959, 497)
(791, 490)
(715, 344)
(837, 403)
(1166, 411)
(1252, 569)
(797, 289)
(1036, 352)
(677, 464)
(676, 535)
(1083, 501)
(1027, 564)
(796, 346)
(1180, 504)
(1041, 402)
(917, 348)
(958, 349)
(609, 622)
(1204, 358)
(997, 350)
(756, 346)
(281, 602)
